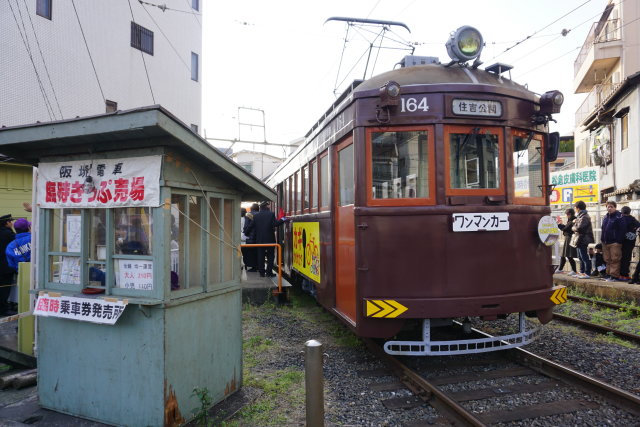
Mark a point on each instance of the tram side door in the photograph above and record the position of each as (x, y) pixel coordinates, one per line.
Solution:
(345, 250)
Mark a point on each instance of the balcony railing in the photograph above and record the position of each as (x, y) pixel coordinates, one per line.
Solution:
(598, 96)
(599, 33)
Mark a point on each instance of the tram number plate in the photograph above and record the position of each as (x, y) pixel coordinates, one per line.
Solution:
(495, 221)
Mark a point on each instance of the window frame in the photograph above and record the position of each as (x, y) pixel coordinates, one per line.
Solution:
(48, 6)
(306, 189)
(313, 191)
(535, 201)
(324, 182)
(624, 132)
(431, 166)
(141, 32)
(493, 130)
(195, 74)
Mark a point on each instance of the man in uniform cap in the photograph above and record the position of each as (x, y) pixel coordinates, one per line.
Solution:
(264, 224)
(6, 273)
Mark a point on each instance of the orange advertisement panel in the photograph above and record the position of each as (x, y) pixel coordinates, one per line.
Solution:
(306, 249)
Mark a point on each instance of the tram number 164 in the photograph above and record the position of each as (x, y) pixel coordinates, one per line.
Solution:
(413, 104)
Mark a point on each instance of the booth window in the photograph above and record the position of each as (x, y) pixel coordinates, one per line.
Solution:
(65, 246)
(474, 160)
(222, 214)
(186, 244)
(399, 166)
(528, 173)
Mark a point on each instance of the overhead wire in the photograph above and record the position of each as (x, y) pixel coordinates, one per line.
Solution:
(543, 28)
(165, 36)
(35, 35)
(88, 50)
(578, 47)
(144, 63)
(35, 68)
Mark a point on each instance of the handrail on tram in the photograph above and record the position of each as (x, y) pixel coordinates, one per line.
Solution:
(264, 245)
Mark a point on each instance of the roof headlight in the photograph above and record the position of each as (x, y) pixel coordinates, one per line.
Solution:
(465, 44)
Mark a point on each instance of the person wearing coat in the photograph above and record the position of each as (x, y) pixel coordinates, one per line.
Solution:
(629, 242)
(568, 251)
(6, 273)
(263, 224)
(250, 255)
(612, 236)
(583, 236)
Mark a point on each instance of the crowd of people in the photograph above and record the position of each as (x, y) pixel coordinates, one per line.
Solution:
(608, 260)
(15, 244)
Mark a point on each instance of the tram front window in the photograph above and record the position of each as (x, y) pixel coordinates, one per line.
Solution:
(399, 165)
(474, 160)
(527, 162)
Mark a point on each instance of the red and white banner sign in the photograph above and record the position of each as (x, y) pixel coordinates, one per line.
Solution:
(84, 309)
(101, 183)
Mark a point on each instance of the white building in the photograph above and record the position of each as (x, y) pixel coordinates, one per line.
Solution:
(260, 164)
(62, 59)
(607, 131)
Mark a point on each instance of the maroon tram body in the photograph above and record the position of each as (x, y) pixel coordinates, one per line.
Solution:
(389, 187)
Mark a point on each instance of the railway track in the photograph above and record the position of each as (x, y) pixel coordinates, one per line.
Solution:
(597, 327)
(504, 387)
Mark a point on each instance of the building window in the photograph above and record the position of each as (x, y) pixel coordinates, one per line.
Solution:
(247, 166)
(195, 4)
(141, 38)
(194, 66)
(624, 131)
(111, 106)
(43, 8)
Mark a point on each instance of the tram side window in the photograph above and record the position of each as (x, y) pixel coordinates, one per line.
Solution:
(314, 184)
(347, 184)
(527, 163)
(285, 196)
(399, 165)
(474, 160)
(298, 176)
(324, 179)
(307, 195)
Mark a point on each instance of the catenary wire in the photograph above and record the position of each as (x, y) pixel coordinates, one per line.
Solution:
(35, 69)
(165, 36)
(153, 98)
(536, 32)
(55, 96)
(88, 50)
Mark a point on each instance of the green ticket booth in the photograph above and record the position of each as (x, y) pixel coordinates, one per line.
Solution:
(138, 267)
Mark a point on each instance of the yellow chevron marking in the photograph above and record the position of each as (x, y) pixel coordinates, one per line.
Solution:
(384, 308)
(559, 296)
(372, 308)
(399, 308)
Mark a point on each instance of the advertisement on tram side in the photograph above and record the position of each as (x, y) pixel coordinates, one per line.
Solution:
(306, 249)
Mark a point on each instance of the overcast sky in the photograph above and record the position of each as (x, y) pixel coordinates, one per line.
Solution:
(282, 58)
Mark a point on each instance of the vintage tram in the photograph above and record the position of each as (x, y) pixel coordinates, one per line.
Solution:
(418, 197)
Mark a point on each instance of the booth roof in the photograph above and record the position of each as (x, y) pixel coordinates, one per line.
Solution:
(143, 127)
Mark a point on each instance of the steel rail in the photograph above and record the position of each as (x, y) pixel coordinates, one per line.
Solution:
(597, 328)
(423, 389)
(635, 311)
(616, 396)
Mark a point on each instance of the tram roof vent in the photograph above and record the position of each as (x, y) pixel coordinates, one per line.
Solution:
(413, 60)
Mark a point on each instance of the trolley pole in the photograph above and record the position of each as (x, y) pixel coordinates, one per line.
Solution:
(314, 383)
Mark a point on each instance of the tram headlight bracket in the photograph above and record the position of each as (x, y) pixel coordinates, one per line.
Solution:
(389, 94)
(465, 44)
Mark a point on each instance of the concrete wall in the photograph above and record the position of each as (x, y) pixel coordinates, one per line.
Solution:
(54, 77)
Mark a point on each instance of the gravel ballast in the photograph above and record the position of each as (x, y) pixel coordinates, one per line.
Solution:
(274, 339)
